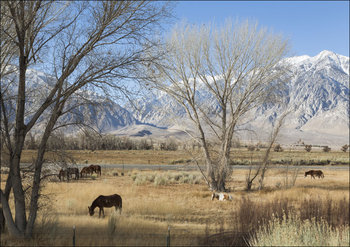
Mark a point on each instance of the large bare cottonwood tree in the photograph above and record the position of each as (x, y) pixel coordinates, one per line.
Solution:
(82, 44)
(236, 67)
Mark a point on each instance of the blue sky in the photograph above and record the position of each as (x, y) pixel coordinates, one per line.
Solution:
(311, 26)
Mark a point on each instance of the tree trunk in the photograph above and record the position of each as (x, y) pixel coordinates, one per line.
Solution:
(16, 180)
(38, 167)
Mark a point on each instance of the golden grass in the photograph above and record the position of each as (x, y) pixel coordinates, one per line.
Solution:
(148, 210)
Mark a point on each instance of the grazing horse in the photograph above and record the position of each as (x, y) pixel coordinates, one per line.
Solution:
(96, 168)
(314, 173)
(73, 170)
(86, 170)
(106, 201)
(221, 196)
(63, 173)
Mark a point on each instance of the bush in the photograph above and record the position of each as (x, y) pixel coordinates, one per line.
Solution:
(160, 180)
(254, 217)
(292, 231)
(326, 149)
(345, 148)
(166, 178)
(278, 148)
(251, 148)
(308, 148)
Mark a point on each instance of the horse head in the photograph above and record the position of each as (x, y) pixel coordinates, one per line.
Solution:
(91, 212)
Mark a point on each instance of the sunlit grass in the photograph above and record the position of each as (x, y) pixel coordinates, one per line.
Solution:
(149, 209)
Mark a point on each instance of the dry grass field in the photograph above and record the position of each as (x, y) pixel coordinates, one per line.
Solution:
(150, 207)
(168, 157)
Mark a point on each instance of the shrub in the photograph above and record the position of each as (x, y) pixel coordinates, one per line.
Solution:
(160, 180)
(251, 148)
(345, 148)
(292, 231)
(308, 148)
(140, 179)
(253, 219)
(278, 148)
(326, 149)
(166, 178)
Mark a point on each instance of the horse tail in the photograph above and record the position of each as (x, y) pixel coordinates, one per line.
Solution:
(121, 205)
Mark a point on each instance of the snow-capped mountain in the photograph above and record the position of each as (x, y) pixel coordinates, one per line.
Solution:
(317, 97)
(85, 106)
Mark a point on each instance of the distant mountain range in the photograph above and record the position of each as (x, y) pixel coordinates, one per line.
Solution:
(317, 97)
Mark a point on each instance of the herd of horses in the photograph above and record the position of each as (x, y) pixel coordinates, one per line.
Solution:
(101, 201)
(115, 200)
(70, 171)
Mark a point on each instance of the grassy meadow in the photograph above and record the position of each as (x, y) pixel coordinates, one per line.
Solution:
(239, 155)
(155, 200)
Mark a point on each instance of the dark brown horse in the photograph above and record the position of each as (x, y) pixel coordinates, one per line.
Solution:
(86, 170)
(73, 170)
(67, 173)
(96, 169)
(107, 202)
(62, 174)
(314, 173)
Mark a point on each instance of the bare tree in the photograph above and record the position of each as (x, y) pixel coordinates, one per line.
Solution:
(263, 165)
(83, 44)
(236, 67)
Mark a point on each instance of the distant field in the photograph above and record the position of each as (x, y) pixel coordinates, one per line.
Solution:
(241, 155)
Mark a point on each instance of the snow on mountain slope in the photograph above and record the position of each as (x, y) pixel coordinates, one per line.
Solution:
(317, 98)
(86, 106)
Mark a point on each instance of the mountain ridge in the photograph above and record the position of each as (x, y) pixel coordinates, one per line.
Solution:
(317, 97)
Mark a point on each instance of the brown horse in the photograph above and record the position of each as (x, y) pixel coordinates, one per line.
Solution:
(106, 201)
(68, 173)
(73, 170)
(96, 169)
(62, 174)
(86, 170)
(314, 173)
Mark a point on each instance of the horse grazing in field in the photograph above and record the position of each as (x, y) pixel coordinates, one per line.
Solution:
(106, 201)
(96, 169)
(68, 173)
(314, 173)
(73, 170)
(62, 174)
(86, 170)
(221, 196)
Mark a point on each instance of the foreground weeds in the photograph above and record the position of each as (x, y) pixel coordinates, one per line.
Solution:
(293, 231)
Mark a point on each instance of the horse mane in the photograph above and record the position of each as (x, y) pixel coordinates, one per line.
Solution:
(94, 203)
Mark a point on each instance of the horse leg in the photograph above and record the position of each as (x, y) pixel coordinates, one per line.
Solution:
(99, 213)
(103, 212)
(118, 207)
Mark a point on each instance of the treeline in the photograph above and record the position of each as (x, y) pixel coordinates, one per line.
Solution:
(94, 141)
